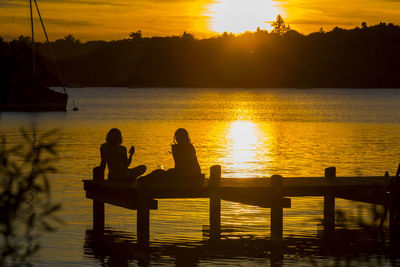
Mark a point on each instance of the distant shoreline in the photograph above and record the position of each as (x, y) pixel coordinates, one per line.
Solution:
(364, 57)
(230, 88)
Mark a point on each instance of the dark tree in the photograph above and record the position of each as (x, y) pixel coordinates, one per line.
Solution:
(363, 57)
(279, 26)
(136, 35)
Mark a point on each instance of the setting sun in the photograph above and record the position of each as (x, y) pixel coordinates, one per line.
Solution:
(238, 16)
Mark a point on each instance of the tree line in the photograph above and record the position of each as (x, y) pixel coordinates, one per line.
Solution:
(365, 57)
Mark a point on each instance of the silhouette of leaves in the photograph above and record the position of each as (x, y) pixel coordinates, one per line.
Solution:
(25, 203)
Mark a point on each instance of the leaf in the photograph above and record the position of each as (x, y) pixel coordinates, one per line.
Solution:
(25, 193)
(46, 184)
(31, 220)
(26, 136)
(51, 209)
(45, 136)
(57, 219)
(48, 227)
(51, 149)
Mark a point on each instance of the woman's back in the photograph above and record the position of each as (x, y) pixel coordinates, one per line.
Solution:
(116, 158)
(187, 169)
(185, 159)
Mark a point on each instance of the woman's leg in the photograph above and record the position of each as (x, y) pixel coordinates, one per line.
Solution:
(153, 178)
(137, 171)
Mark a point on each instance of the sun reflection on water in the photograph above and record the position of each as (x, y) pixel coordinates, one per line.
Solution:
(243, 139)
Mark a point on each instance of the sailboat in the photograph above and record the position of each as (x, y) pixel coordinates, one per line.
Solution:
(29, 94)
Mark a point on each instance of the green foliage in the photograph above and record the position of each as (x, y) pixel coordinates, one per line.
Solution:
(25, 201)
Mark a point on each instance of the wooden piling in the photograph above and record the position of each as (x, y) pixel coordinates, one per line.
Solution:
(329, 205)
(143, 226)
(143, 217)
(98, 206)
(277, 209)
(394, 208)
(246, 191)
(215, 202)
(98, 216)
(277, 220)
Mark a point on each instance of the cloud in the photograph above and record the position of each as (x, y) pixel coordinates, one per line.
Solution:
(115, 19)
(310, 15)
(70, 22)
(90, 2)
(12, 3)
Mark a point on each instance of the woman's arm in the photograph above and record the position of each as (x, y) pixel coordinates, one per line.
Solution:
(103, 160)
(174, 154)
(128, 160)
(179, 157)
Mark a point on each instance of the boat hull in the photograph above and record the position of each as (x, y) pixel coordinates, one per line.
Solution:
(34, 100)
(36, 107)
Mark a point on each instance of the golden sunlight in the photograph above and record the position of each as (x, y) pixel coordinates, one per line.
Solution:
(243, 139)
(238, 16)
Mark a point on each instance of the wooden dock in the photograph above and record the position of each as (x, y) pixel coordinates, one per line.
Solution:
(274, 193)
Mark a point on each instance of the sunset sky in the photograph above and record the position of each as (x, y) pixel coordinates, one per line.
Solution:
(115, 19)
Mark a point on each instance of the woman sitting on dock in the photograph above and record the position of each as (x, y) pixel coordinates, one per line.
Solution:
(187, 169)
(115, 156)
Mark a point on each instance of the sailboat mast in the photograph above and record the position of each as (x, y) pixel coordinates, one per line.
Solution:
(33, 42)
(51, 50)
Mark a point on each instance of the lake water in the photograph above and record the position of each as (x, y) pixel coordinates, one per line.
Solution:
(250, 133)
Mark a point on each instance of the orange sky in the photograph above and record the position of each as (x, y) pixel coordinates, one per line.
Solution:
(115, 19)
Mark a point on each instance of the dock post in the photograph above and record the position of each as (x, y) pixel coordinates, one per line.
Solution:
(277, 220)
(143, 226)
(329, 206)
(277, 209)
(394, 209)
(143, 219)
(98, 206)
(215, 202)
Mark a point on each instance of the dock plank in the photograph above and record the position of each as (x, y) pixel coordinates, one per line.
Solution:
(250, 190)
(270, 193)
(114, 194)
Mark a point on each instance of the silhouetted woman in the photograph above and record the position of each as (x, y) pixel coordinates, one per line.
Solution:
(187, 169)
(115, 156)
